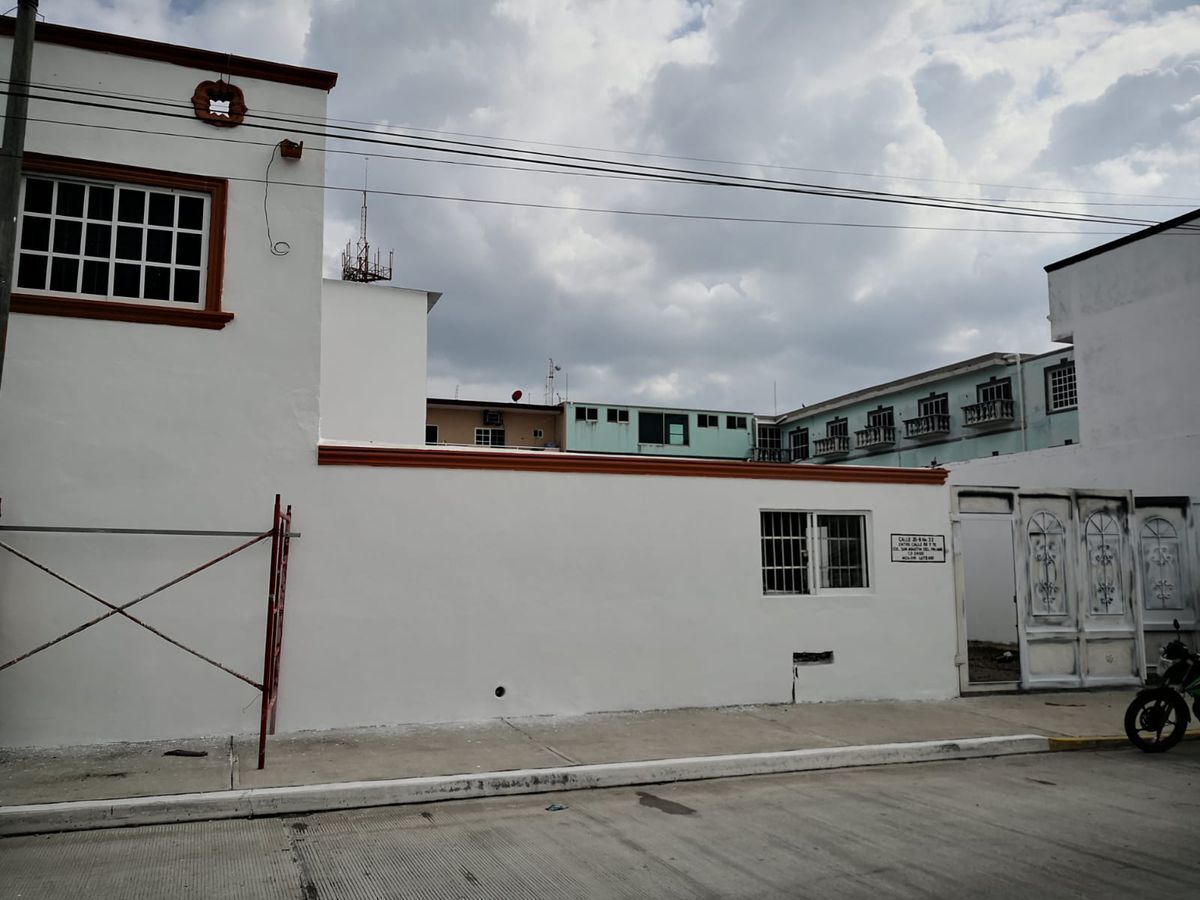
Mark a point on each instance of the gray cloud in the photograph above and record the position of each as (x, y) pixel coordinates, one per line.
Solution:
(711, 313)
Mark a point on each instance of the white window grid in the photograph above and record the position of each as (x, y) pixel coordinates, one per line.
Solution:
(770, 437)
(489, 437)
(1061, 386)
(1000, 389)
(837, 428)
(881, 418)
(805, 552)
(934, 406)
(78, 259)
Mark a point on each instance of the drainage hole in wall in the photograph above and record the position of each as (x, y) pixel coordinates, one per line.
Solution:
(812, 658)
(500, 692)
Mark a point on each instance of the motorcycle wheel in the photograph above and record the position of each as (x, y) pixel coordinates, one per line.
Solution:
(1156, 720)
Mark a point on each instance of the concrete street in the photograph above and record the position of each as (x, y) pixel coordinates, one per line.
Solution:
(1114, 823)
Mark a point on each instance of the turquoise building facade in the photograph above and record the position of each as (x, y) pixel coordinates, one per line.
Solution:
(658, 431)
(990, 405)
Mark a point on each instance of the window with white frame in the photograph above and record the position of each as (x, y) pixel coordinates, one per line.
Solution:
(810, 552)
(113, 241)
(770, 437)
(735, 422)
(1061, 392)
(538, 434)
(994, 389)
(619, 416)
(587, 414)
(704, 420)
(489, 437)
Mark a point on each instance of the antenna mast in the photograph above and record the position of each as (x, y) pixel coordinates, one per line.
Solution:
(359, 265)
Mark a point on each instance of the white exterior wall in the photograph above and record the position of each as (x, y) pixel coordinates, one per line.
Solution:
(413, 593)
(1133, 313)
(119, 424)
(373, 348)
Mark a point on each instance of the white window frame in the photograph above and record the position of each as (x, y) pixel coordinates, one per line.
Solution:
(110, 259)
(617, 416)
(1052, 389)
(587, 414)
(538, 434)
(708, 420)
(814, 552)
(490, 432)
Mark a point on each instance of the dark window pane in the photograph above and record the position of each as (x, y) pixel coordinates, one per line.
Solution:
(67, 236)
(187, 249)
(191, 213)
(32, 273)
(650, 428)
(95, 278)
(98, 241)
(35, 233)
(187, 286)
(158, 246)
(64, 275)
(127, 280)
(129, 243)
(162, 209)
(100, 202)
(132, 206)
(38, 194)
(70, 199)
(158, 283)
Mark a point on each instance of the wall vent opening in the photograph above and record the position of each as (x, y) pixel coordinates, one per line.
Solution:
(812, 658)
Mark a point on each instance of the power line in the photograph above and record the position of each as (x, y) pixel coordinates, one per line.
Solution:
(376, 125)
(684, 176)
(531, 205)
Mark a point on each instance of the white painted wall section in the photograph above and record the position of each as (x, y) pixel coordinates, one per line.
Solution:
(373, 359)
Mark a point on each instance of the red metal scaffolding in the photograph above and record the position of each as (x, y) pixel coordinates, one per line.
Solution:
(280, 535)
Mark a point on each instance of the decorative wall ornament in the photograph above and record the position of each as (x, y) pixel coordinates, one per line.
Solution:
(219, 103)
(1160, 564)
(1047, 540)
(1102, 535)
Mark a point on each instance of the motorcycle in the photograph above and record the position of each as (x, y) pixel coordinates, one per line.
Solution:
(1158, 716)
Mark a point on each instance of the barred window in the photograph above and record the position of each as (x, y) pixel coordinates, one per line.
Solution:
(805, 552)
(115, 242)
(798, 444)
(1061, 392)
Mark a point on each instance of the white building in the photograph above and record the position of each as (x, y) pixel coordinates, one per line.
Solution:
(170, 366)
(1131, 308)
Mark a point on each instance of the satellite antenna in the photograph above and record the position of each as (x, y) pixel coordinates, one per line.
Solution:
(359, 266)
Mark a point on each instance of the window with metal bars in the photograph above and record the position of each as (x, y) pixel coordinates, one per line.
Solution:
(798, 443)
(1061, 392)
(806, 552)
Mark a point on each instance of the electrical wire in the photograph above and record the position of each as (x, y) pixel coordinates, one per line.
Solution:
(376, 125)
(679, 176)
(529, 205)
(278, 248)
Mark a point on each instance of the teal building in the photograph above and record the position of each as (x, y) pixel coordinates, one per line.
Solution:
(990, 405)
(658, 431)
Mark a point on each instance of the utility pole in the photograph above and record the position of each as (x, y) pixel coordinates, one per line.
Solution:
(16, 112)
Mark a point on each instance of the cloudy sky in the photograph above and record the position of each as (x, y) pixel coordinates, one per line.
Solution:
(1072, 104)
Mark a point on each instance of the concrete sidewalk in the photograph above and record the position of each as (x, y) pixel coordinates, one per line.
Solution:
(551, 743)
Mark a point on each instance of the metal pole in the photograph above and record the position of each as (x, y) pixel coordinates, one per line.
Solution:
(15, 114)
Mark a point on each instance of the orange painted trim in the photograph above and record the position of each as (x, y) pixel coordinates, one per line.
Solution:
(597, 464)
(191, 57)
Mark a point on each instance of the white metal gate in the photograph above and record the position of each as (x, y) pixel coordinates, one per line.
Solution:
(1079, 608)
(1167, 564)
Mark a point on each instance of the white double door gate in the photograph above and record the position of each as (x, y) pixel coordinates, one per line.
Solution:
(1075, 581)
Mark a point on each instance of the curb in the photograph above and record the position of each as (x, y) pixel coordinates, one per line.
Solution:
(80, 815)
(1103, 741)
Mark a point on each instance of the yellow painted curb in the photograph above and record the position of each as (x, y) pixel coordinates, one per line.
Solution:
(1102, 741)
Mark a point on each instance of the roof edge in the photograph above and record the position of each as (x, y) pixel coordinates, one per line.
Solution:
(1126, 239)
(176, 54)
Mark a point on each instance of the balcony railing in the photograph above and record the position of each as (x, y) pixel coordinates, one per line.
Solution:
(834, 445)
(770, 454)
(988, 412)
(875, 436)
(930, 426)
